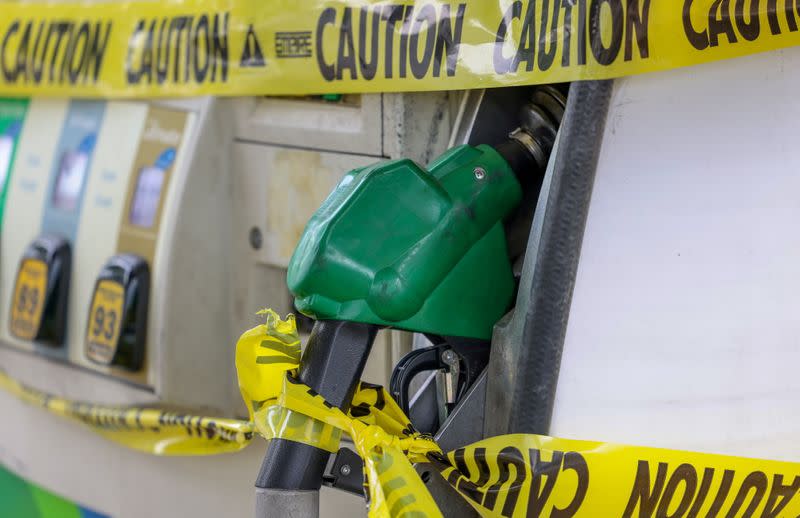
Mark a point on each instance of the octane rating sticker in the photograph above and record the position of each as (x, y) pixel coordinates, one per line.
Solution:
(105, 321)
(27, 306)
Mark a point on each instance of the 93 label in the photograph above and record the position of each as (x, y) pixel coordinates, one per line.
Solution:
(27, 306)
(105, 321)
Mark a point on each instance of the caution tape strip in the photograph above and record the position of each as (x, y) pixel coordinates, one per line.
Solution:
(510, 476)
(150, 430)
(146, 48)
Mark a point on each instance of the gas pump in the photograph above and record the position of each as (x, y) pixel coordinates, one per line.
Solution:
(420, 249)
(139, 238)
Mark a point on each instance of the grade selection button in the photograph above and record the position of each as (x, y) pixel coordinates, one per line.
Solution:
(39, 304)
(117, 327)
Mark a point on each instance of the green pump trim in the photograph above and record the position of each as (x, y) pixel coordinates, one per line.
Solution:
(400, 246)
(12, 115)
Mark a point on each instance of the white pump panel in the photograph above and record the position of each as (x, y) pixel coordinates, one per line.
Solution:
(683, 331)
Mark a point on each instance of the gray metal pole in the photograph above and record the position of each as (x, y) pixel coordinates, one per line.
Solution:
(286, 503)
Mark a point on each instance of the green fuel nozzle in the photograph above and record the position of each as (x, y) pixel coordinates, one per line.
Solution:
(424, 249)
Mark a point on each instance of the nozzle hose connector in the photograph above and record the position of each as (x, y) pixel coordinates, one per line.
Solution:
(528, 147)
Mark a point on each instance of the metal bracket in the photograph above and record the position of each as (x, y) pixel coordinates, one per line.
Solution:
(345, 471)
(463, 426)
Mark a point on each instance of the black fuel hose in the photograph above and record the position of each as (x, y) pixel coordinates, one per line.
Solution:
(553, 277)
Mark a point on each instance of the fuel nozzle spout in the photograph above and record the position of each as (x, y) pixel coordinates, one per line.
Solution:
(528, 147)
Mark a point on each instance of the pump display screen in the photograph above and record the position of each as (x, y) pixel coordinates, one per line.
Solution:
(6, 148)
(146, 197)
(71, 171)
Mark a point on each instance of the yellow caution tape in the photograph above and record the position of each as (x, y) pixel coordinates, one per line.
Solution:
(523, 475)
(509, 476)
(275, 344)
(150, 430)
(532, 475)
(264, 355)
(145, 48)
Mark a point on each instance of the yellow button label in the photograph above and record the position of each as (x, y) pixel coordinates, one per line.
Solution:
(27, 306)
(105, 321)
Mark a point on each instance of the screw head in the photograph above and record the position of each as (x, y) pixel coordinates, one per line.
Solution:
(345, 470)
(479, 172)
(449, 356)
(256, 239)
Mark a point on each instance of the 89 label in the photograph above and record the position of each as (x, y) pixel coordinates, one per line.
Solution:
(105, 323)
(28, 303)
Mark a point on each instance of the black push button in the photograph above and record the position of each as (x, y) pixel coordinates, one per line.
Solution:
(117, 328)
(39, 306)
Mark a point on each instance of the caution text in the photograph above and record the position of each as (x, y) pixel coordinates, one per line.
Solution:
(407, 40)
(54, 51)
(179, 50)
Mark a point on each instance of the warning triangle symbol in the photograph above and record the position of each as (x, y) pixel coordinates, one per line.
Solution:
(252, 55)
